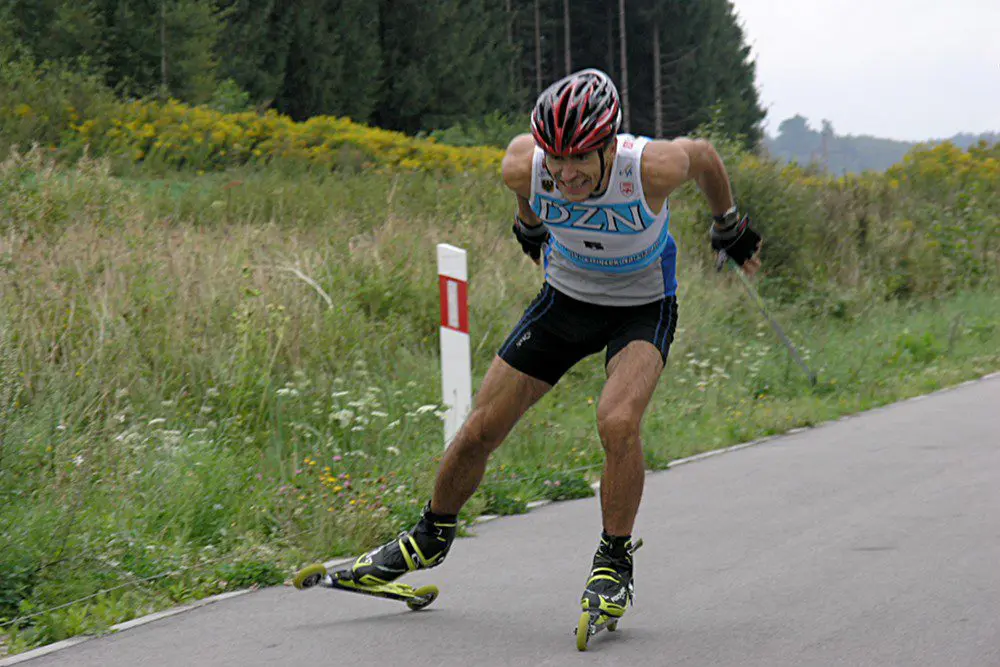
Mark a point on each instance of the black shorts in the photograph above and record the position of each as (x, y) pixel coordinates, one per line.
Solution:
(557, 331)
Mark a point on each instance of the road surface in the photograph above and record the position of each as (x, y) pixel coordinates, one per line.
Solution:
(868, 541)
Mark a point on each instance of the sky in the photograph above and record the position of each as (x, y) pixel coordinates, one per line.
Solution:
(897, 69)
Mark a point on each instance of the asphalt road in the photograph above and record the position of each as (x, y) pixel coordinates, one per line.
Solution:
(869, 541)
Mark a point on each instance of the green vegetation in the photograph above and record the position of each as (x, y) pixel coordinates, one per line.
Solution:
(405, 65)
(218, 327)
(208, 381)
(838, 154)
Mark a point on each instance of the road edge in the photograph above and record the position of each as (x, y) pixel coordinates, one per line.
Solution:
(333, 564)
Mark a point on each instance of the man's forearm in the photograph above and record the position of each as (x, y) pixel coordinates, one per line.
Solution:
(525, 213)
(714, 184)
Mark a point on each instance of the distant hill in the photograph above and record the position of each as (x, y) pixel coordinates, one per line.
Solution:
(797, 142)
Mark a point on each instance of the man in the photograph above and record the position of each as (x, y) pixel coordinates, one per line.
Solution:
(595, 204)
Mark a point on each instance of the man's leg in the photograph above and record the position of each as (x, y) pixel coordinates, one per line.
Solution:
(504, 396)
(632, 377)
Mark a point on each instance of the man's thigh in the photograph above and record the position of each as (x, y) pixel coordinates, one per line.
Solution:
(554, 334)
(654, 323)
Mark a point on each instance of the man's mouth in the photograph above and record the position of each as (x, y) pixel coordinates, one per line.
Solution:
(576, 186)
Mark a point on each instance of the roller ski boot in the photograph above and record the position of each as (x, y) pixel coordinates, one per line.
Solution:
(374, 573)
(610, 590)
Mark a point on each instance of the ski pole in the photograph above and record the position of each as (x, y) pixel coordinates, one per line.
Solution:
(723, 258)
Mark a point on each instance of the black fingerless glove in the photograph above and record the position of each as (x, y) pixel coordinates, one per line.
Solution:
(737, 239)
(531, 238)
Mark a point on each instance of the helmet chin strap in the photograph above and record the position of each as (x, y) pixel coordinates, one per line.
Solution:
(600, 181)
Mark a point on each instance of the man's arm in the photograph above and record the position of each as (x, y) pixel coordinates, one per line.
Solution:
(666, 165)
(516, 167)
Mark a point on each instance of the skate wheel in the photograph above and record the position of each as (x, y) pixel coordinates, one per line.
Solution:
(309, 576)
(612, 626)
(583, 631)
(423, 596)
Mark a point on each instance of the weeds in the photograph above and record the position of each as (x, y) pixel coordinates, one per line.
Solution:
(206, 382)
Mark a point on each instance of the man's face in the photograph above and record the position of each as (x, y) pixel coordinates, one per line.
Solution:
(577, 176)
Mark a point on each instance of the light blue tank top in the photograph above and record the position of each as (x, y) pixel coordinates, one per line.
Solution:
(611, 250)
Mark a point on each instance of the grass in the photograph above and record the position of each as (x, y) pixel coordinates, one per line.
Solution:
(207, 382)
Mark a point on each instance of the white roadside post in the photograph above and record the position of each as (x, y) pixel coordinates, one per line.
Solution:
(456, 359)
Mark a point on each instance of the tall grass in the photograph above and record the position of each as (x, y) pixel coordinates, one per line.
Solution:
(205, 381)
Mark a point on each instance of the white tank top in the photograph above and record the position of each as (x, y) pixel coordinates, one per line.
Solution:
(611, 250)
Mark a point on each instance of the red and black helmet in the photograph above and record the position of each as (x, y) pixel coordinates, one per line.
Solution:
(577, 114)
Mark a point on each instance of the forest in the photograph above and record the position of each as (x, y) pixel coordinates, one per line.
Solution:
(405, 65)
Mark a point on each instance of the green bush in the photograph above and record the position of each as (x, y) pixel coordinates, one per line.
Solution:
(243, 574)
(496, 129)
(39, 102)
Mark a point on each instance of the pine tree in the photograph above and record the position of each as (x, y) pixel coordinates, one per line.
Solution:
(443, 63)
(254, 44)
(333, 61)
(146, 37)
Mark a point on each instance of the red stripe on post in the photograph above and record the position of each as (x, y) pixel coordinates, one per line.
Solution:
(454, 304)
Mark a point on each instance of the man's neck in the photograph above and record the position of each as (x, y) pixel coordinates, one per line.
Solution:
(605, 182)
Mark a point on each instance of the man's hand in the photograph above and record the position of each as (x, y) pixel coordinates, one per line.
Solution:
(531, 238)
(739, 242)
(752, 265)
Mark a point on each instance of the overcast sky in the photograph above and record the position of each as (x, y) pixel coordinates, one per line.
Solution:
(900, 69)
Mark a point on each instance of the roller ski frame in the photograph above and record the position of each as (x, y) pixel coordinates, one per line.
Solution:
(593, 621)
(317, 575)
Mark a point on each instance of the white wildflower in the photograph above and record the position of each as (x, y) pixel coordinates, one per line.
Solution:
(345, 417)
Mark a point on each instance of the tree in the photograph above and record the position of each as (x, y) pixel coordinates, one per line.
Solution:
(442, 63)
(657, 82)
(702, 66)
(333, 61)
(56, 29)
(145, 37)
(254, 45)
(566, 38)
(623, 41)
(538, 49)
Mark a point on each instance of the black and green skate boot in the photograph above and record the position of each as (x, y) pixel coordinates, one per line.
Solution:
(610, 589)
(424, 546)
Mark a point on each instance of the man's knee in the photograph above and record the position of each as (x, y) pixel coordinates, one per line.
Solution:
(618, 428)
(482, 431)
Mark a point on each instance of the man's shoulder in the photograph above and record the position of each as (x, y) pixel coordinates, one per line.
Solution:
(517, 162)
(665, 165)
(521, 148)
